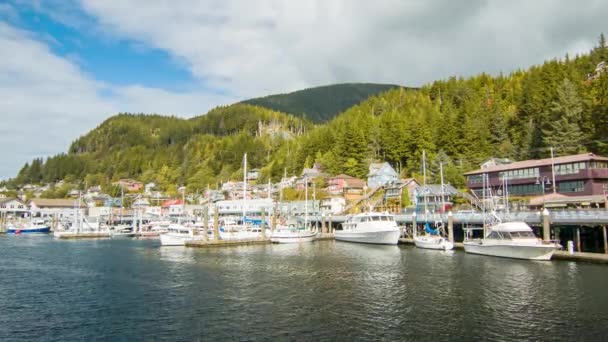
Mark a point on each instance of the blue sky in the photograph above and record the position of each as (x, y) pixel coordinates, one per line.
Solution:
(67, 65)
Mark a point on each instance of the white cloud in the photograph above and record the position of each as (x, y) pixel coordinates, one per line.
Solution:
(258, 47)
(254, 48)
(46, 101)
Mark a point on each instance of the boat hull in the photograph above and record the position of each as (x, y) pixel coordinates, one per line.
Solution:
(173, 240)
(29, 230)
(380, 237)
(80, 235)
(433, 242)
(529, 252)
(292, 237)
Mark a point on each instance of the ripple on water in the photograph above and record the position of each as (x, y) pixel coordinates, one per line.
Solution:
(136, 290)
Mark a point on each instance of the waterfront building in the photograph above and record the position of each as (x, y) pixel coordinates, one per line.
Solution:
(582, 179)
(253, 207)
(48, 207)
(12, 206)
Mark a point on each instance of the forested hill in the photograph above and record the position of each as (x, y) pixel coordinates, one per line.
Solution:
(459, 122)
(321, 104)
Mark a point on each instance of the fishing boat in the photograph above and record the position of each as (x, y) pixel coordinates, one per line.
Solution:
(37, 226)
(370, 227)
(512, 240)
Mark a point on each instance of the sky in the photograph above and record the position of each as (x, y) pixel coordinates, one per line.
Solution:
(68, 65)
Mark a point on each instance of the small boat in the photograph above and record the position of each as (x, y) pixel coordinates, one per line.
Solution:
(177, 235)
(370, 227)
(34, 227)
(122, 231)
(432, 239)
(291, 232)
(512, 240)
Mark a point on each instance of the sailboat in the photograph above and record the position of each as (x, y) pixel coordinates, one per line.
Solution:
(80, 227)
(432, 238)
(293, 231)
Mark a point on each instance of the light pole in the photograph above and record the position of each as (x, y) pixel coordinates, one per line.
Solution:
(542, 181)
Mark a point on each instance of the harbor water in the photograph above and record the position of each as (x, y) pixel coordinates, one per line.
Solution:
(130, 290)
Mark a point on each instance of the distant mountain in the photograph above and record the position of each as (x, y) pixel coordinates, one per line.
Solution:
(321, 104)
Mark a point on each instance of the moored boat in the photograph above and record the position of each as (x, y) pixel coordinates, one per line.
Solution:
(177, 235)
(512, 240)
(432, 239)
(370, 227)
(34, 227)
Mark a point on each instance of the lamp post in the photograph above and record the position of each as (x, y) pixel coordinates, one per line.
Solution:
(542, 181)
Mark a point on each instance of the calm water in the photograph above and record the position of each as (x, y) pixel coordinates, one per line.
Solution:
(124, 290)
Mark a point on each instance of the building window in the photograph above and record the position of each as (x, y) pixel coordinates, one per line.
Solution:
(475, 179)
(525, 189)
(571, 186)
(569, 169)
(599, 165)
(519, 174)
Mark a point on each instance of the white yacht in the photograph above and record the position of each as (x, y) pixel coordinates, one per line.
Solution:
(370, 227)
(512, 240)
(177, 235)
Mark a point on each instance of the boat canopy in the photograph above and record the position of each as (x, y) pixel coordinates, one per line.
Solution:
(517, 226)
(429, 230)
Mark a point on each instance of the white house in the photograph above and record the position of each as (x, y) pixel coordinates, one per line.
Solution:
(55, 207)
(332, 205)
(252, 207)
(13, 206)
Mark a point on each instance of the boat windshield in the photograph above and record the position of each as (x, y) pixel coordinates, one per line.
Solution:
(499, 235)
(523, 235)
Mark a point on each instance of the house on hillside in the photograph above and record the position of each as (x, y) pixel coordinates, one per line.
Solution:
(253, 174)
(381, 174)
(393, 191)
(432, 198)
(494, 162)
(129, 184)
(332, 205)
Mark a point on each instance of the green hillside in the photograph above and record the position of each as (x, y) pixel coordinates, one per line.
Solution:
(321, 104)
(459, 122)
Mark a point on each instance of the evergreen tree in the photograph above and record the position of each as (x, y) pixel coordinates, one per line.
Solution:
(563, 131)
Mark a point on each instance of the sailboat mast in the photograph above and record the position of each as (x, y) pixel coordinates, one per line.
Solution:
(305, 202)
(442, 194)
(244, 185)
(424, 182)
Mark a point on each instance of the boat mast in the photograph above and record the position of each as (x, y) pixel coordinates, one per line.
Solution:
(244, 185)
(424, 182)
(305, 202)
(442, 194)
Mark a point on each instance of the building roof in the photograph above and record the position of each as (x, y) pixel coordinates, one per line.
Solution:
(374, 168)
(9, 199)
(539, 162)
(354, 183)
(343, 176)
(435, 190)
(54, 202)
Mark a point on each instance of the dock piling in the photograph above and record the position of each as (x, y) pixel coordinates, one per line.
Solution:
(216, 228)
(546, 225)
